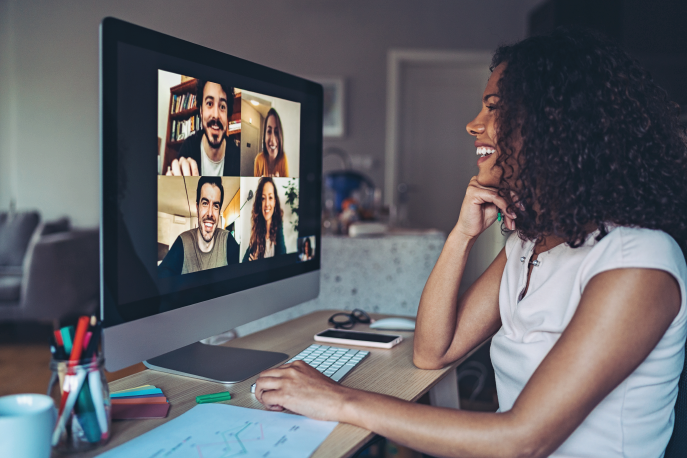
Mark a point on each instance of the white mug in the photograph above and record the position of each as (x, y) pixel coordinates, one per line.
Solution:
(26, 424)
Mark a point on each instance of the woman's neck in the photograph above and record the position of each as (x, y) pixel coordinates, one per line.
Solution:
(550, 241)
(547, 243)
(272, 161)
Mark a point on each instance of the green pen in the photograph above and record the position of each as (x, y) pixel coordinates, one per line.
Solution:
(215, 397)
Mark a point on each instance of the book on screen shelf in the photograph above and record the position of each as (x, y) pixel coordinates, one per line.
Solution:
(182, 129)
(182, 102)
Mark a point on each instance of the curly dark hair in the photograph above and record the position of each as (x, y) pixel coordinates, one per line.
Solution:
(593, 139)
(258, 231)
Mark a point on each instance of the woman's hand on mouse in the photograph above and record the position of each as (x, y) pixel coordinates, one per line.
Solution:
(480, 209)
(301, 388)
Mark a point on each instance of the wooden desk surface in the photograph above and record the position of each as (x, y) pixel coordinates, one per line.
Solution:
(388, 372)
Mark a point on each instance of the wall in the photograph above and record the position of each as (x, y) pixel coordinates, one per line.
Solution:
(49, 72)
(165, 81)
(170, 226)
(8, 188)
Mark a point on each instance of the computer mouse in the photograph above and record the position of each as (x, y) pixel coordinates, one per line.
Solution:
(396, 324)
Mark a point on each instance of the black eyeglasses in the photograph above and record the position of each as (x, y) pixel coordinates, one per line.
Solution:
(345, 320)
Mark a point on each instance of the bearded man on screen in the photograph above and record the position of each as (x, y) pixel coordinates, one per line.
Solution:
(209, 152)
(206, 246)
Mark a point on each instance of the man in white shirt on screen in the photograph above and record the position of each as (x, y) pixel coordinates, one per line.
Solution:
(209, 152)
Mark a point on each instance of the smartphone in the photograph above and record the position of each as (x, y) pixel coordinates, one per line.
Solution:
(365, 339)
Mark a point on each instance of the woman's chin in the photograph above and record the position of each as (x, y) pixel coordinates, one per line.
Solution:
(488, 181)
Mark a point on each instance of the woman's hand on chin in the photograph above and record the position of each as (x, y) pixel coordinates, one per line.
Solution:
(480, 209)
(300, 388)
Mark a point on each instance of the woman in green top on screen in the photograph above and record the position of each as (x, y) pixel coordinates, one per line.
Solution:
(267, 232)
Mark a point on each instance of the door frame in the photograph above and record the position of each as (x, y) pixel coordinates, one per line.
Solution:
(396, 60)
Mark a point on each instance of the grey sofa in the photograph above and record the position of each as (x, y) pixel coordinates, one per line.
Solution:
(47, 269)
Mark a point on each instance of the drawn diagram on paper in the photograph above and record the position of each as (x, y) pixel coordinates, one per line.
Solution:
(224, 431)
(235, 442)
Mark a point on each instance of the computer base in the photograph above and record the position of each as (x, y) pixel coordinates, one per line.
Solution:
(215, 363)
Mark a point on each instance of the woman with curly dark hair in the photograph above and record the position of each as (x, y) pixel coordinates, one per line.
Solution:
(267, 232)
(582, 155)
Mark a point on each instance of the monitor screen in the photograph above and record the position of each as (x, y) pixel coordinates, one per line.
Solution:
(211, 175)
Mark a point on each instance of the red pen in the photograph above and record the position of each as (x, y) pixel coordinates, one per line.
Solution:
(74, 358)
(77, 347)
(58, 337)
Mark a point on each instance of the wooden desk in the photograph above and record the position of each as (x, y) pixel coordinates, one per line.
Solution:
(389, 372)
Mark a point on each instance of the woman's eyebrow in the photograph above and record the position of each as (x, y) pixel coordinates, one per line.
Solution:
(486, 97)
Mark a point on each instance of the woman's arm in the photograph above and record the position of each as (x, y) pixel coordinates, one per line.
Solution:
(448, 327)
(621, 317)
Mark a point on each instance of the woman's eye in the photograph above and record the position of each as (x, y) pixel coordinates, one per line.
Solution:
(491, 107)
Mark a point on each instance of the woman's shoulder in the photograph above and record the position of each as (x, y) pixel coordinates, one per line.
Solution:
(635, 247)
(630, 243)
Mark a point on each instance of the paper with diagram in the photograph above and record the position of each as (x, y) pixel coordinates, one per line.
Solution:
(224, 431)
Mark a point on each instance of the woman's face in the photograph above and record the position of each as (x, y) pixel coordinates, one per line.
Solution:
(272, 137)
(267, 201)
(483, 128)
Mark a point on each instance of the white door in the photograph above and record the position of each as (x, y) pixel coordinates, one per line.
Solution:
(250, 138)
(435, 156)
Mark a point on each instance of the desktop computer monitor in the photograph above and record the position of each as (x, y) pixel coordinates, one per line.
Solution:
(211, 173)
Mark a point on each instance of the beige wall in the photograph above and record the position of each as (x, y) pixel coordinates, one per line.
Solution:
(249, 113)
(170, 226)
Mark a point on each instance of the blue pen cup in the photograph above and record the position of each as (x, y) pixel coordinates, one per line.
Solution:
(85, 420)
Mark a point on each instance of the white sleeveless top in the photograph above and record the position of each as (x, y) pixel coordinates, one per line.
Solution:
(634, 420)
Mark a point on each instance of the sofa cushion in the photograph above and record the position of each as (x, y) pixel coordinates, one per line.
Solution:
(11, 270)
(15, 233)
(56, 226)
(10, 288)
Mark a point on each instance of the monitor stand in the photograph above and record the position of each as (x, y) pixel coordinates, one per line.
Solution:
(215, 363)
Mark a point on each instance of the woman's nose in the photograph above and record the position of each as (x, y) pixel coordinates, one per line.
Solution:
(475, 128)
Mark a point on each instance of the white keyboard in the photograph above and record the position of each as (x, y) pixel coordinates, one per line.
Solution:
(333, 362)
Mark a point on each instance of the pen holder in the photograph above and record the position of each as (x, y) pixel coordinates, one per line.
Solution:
(83, 398)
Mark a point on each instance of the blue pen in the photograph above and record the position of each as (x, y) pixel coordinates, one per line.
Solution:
(67, 338)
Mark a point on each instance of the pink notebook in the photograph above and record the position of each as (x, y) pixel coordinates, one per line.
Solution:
(155, 400)
(136, 411)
